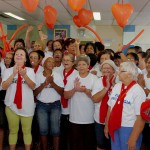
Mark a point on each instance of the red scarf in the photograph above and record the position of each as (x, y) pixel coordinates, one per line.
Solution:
(115, 118)
(104, 106)
(18, 95)
(36, 68)
(64, 101)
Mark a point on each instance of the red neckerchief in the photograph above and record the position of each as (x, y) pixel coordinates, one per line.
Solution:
(18, 95)
(64, 101)
(90, 67)
(36, 68)
(104, 106)
(115, 118)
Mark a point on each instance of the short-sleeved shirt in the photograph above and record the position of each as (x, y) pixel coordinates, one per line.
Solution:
(81, 106)
(49, 94)
(28, 105)
(132, 103)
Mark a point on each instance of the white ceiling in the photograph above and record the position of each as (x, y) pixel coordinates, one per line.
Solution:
(141, 15)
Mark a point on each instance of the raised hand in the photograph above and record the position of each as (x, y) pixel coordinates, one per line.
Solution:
(22, 71)
(30, 28)
(15, 70)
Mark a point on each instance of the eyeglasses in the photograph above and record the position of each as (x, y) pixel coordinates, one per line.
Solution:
(67, 60)
(122, 71)
(130, 59)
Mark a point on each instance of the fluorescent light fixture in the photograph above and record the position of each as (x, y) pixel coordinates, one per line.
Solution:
(97, 15)
(14, 16)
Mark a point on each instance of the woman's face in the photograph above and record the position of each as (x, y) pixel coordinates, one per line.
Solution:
(148, 65)
(123, 75)
(67, 62)
(71, 48)
(82, 67)
(131, 59)
(57, 45)
(104, 57)
(82, 49)
(49, 63)
(8, 59)
(58, 56)
(90, 49)
(50, 46)
(20, 57)
(107, 70)
(18, 45)
(34, 59)
(37, 46)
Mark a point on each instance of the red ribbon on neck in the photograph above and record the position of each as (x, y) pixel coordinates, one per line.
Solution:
(36, 68)
(115, 118)
(64, 101)
(104, 106)
(18, 95)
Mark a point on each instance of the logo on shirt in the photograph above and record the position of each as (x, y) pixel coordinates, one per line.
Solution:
(114, 98)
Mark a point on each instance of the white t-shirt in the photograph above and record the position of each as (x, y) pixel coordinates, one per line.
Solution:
(28, 105)
(81, 106)
(147, 84)
(96, 68)
(98, 86)
(72, 76)
(49, 94)
(59, 69)
(132, 103)
(40, 69)
(48, 53)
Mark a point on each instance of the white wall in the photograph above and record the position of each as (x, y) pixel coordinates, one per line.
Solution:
(111, 35)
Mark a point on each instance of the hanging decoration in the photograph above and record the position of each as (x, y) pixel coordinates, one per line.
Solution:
(122, 13)
(3, 37)
(76, 5)
(50, 15)
(30, 5)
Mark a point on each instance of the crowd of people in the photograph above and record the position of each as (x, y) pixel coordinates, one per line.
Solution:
(74, 96)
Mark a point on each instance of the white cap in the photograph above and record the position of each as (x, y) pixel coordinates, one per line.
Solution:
(109, 62)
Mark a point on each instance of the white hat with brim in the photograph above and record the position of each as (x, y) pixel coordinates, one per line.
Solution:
(109, 62)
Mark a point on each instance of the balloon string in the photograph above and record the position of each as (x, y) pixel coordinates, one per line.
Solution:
(94, 33)
(126, 46)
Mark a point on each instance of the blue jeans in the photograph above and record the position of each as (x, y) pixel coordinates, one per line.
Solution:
(48, 116)
(121, 138)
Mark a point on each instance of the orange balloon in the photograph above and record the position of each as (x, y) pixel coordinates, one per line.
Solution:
(50, 15)
(76, 5)
(85, 16)
(50, 26)
(30, 5)
(122, 13)
(77, 21)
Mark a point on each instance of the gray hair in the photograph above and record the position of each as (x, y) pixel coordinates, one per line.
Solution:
(84, 58)
(131, 68)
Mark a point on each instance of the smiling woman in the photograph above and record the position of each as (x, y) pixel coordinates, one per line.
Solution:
(16, 99)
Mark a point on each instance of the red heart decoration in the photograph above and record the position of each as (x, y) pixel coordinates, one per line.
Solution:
(50, 26)
(122, 13)
(30, 5)
(76, 5)
(50, 15)
(77, 21)
(85, 16)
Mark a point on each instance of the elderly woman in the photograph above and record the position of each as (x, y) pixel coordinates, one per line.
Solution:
(19, 81)
(101, 92)
(124, 122)
(49, 88)
(78, 90)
